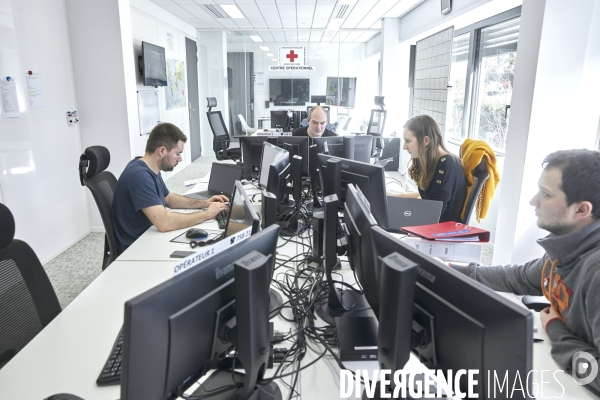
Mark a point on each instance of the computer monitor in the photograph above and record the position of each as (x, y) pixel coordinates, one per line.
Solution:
(370, 179)
(333, 145)
(465, 324)
(173, 332)
(241, 213)
(363, 147)
(271, 155)
(303, 143)
(358, 221)
(252, 147)
(280, 120)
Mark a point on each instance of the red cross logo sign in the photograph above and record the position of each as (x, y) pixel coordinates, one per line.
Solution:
(292, 56)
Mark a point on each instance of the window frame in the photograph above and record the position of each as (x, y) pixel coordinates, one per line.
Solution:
(473, 66)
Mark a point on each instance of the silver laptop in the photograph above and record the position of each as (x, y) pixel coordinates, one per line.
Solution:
(412, 212)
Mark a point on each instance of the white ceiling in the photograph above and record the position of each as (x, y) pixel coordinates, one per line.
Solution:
(272, 18)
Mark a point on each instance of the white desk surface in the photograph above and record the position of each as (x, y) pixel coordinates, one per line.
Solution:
(68, 354)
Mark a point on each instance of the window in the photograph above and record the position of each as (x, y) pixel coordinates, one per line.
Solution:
(482, 72)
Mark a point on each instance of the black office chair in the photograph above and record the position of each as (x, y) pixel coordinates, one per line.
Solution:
(27, 300)
(92, 165)
(376, 125)
(221, 138)
(480, 175)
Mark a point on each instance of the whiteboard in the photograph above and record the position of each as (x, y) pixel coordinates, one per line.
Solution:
(148, 110)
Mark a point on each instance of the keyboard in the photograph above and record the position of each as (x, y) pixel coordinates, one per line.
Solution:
(221, 218)
(111, 373)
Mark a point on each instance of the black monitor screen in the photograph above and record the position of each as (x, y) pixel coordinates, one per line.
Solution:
(271, 155)
(280, 119)
(467, 325)
(370, 179)
(252, 153)
(302, 143)
(169, 332)
(154, 65)
(241, 213)
(289, 92)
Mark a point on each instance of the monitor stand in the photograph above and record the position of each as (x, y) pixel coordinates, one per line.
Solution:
(275, 303)
(225, 378)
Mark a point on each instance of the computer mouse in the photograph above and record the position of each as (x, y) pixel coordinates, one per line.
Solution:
(196, 234)
(63, 396)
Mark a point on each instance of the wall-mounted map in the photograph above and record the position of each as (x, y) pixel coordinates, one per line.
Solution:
(175, 90)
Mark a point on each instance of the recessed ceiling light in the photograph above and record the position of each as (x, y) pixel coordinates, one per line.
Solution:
(264, 48)
(256, 38)
(273, 59)
(270, 55)
(232, 10)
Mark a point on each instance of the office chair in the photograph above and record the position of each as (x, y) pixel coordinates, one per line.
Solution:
(221, 138)
(376, 125)
(391, 150)
(245, 126)
(92, 165)
(480, 175)
(27, 298)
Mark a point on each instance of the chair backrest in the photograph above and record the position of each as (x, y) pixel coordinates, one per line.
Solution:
(480, 175)
(102, 185)
(27, 299)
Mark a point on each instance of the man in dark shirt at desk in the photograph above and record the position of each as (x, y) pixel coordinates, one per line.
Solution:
(317, 120)
(141, 194)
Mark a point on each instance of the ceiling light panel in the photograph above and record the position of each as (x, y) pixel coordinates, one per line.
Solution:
(256, 38)
(270, 55)
(233, 11)
(264, 48)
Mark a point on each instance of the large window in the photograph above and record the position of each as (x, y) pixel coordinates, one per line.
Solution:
(482, 73)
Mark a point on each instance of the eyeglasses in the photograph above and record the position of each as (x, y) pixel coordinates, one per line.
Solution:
(202, 243)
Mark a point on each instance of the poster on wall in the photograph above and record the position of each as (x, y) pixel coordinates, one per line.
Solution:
(175, 90)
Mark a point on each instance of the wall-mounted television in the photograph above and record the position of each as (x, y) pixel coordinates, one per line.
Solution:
(289, 92)
(153, 66)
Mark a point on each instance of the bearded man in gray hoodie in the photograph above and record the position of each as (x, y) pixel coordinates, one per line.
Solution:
(568, 206)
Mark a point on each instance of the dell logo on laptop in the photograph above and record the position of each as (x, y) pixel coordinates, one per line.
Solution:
(407, 213)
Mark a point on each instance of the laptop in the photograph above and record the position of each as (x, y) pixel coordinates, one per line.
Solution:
(412, 212)
(221, 182)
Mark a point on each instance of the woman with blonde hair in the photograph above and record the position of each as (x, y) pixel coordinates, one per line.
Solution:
(437, 172)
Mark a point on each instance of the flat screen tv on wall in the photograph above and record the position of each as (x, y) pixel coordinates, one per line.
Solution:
(289, 92)
(153, 66)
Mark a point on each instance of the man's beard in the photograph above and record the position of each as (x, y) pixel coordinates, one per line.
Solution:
(165, 166)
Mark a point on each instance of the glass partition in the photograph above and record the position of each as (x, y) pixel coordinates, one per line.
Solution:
(262, 93)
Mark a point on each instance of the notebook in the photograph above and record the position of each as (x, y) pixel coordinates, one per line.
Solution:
(412, 212)
(221, 182)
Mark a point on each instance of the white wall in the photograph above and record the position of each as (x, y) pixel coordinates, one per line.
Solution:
(555, 107)
(212, 71)
(150, 23)
(39, 181)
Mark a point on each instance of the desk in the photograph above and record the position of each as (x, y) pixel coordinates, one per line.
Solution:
(68, 354)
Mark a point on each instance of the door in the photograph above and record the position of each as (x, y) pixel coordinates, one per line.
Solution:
(191, 57)
(240, 75)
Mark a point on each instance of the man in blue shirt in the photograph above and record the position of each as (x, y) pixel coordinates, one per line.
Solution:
(316, 126)
(141, 194)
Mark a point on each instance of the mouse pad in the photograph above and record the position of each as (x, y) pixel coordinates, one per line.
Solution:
(182, 239)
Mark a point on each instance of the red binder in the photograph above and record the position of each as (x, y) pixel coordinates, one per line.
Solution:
(449, 231)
